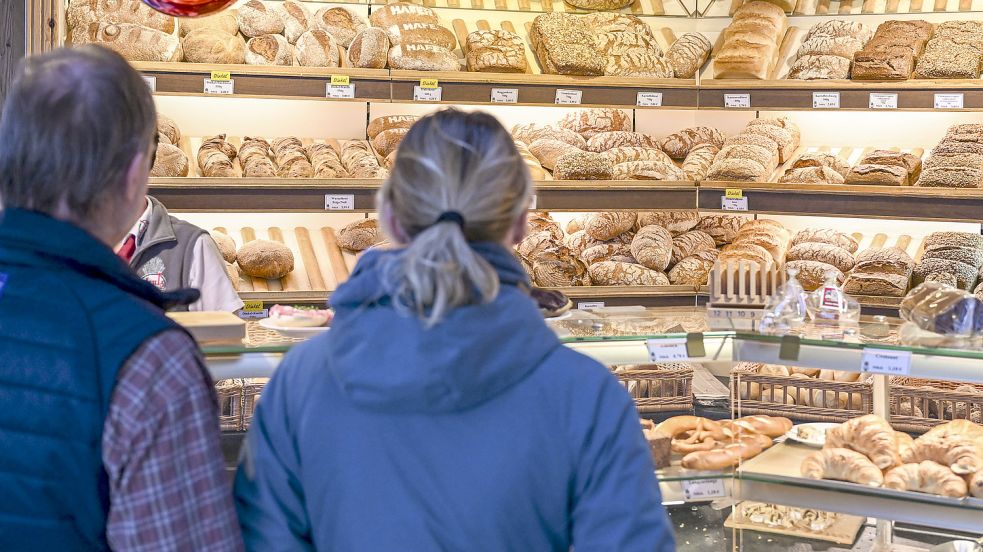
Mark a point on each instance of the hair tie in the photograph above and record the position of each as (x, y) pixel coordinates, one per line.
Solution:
(452, 216)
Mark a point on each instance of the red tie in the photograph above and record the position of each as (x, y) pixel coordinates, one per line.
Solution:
(129, 247)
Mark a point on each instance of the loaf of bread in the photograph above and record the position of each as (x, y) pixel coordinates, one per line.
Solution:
(812, 175)
(604, 141)
(775, 243)
(633, 55)
(690, 243)
(698, 161)
(834, 28)
(812, 274)
(954, 160)
(676, 221)
(265, 259)
(225, 22)
(317, 48)
(679, 144)
(652, 247)
(496, 51)
(746, 252)
(647, 170)
(616, 273)
(215, 157)
(786, 138)
(170, 161)
(389, 122)
(325, 161)
(759, 155)
(945, 58)
(342, 23)
(738, 170)
(369, 49)
(911, 163)
(841, 46)
(954, 239)
(271, 49)
(823, 252)
(256, 19)
(558, 267)
(291, 158)
(297, 19)
(893, 65)
(740, 59)
(876, 283)
(422, 33)
(256, 158)
(583, 165)
(624, 154)
(968, 255)
(817, 67)
(826, 235)
(604, 252)
(536, 243)
(360, 235)
(359, 160)
(965, 274)
(687, 54)
(590, 122)
(415, 56)
(387, 141)
(951, 177)
(693, 270)
(401, 12)
(722, 228)
(549, 150)
(565, 45)
(600, 5)
(168, 128)
(885, 260)
(530, 132)
(133, 42)
(835, 162)
(225, 244)
(80, 14)
(880, 175)
(609, 224)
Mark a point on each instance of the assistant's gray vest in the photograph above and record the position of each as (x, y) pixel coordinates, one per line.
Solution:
(163, 257)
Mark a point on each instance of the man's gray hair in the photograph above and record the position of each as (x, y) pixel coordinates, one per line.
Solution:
(73, 121)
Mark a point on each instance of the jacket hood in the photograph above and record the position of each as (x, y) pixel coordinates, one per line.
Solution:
(386, 360)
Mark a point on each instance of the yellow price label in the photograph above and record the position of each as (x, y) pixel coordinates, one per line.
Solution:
(428, 83)
(221, 76)
(340, 80)
(735, 193)
(252, 306)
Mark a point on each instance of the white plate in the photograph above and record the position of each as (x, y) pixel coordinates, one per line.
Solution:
(293, 331)
(817, 431)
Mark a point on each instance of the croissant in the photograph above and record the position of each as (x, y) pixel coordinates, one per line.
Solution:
(870, 435)
(926, 477)
(215, 157)
(957, 444)
(904, 442)
(843, 465)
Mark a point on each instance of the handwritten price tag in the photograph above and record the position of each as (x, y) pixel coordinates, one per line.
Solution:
(704, 489)
(885, 361)
(667, 350)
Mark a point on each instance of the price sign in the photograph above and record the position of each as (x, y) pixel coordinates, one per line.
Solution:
(421, 94)
(949, 101)
(885, 361)
(568, 97)
(221, 87)
(429, 83)
(340, 80)
(667, 350)
(339, 202)
(737, 101)
(734, 193)
(825, 100)
(340, 91)
(505, 95)
(883, 101)
(253, 309)
(703, 489)
(733, 203)
(648, 99)
(584, 305)
(151, 82)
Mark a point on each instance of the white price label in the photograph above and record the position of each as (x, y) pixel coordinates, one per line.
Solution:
(339, 91)
(339, 202)
(568, 97)
(151, 82)
(704, 489)
(885, 361)
(825, 100)
(505, 95)
(584, 305)
(949, 101)
(648, 99)
(667, 350)
(257, 314)
(737, 101)
(733, 203)
(421, 94)
(883, 101)
(224, 87)
(532, 202)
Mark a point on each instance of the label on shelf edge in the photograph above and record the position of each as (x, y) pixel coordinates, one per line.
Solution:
(882, 100)
(421, 94)
(339, 202)
(737, 101)
(429, 83)
(667, 350)
(505, 95)
(340, 80)
(648, 99)
(151, 82)
(733, 192)
(253, 305)
(583, 305)
(949, 101)
(221, 87)
(733, 203)
(568, 97)
(221, 76)
(703, 489)
(825, 100)
(339, 91)
(885, 361)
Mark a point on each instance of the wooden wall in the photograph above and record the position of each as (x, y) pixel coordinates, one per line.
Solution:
(13, 40)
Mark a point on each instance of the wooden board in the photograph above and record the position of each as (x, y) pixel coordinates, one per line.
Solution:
(843, 531)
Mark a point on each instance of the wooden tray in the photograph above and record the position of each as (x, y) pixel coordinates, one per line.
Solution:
(843, 531)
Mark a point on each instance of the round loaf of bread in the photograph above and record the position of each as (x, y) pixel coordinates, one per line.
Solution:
(679, 144)
(609, 224)
(618, 273)
(604, 252)
(577, 241)
(297, 19)
(271, 49)
(812, 274)
(415, 56)
(389, 122)
(675, 221)
(317, 48)
(577, 223)
(530, 132)
(168, 127)
(213, 46)
(599, 5)
(422, 33)
(588, 122)
(387, 141)
(265, 259)
(549, 150)
(652, 247)
(559, 268)
(539, 222)
(693, 270)
(226, 245)
(342, 23)
(401, 12)
(723, 228)
(369, 49)
(225, 22)
(690, 243)
(171, 161)
(256, 19)
(360, 235)
(535, 244)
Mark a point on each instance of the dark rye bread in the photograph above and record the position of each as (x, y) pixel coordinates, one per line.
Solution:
(965, 274)
(876, 283)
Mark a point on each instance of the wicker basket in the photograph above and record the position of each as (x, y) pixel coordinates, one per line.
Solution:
(838, 401)
(662, 387)
(237, 400)
(251, 390)
(918, 405)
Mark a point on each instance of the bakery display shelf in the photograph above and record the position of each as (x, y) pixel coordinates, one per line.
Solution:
(265, 81)
(773, 477)
(725, 8)
(665, 8)
(645, 296)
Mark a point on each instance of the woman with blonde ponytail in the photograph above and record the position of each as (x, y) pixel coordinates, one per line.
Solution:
(440, 413)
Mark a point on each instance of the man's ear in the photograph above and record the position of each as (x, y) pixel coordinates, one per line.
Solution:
(519, 228)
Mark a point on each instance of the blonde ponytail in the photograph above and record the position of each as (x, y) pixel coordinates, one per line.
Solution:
(465, 167)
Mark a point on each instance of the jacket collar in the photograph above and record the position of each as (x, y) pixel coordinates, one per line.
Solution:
(35, 239)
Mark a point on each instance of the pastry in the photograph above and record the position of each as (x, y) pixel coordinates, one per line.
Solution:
(926, 477)
(869, 435)
(265, 259)
(843, 465)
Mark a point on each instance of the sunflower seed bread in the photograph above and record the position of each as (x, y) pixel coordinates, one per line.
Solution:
(565, 45)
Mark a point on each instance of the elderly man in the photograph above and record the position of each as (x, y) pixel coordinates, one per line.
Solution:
(108, 421)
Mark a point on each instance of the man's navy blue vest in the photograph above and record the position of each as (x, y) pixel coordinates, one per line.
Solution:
(71, 313)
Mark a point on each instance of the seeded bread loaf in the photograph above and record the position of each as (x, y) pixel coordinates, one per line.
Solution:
(676, 221)
(937, 240)
(548, 151)
(609, 224)
(693, 270)
(565, 45)
(679, 144)
(590, 122)
(826, 235)
(652, 247)
(823, 252)
(968, 255)
(951, 177)
(965, 274)
(170, 161)
(812, 274)
(616, 273)
(690, 243)
(687, 54)
(583, 165)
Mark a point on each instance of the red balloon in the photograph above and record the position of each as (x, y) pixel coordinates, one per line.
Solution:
(188, 8)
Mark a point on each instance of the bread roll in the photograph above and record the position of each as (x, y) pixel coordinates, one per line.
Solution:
(80, 14)
(401, 12)
(609, 224)
(256, 19)
(616, 273)
(360, 235)
(225, 22)
(171, 161)
(496, 51)
(652, 247)
(297, 19)
(687, 54)
(341, 23)
(369, 49)
(211, 46)
(590, 122)
(415, 56)
(265, 259)
(271, 49)
(133, 42)
(317, 48)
